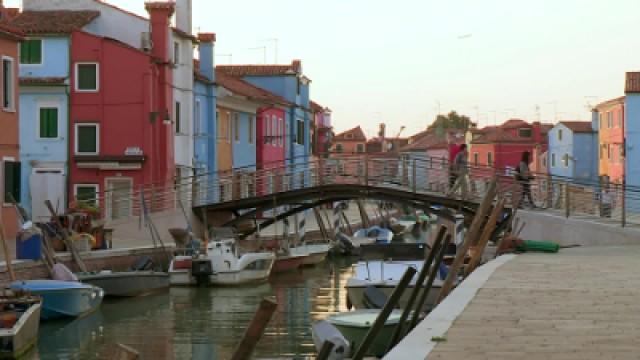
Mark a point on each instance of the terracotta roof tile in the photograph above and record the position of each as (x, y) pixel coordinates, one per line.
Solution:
(244, 88)
(294, 68)
(42, 81)
(12, 32)
(578, 126)
(356, 135)
(52, 22)
(315, 106)
(605, 104)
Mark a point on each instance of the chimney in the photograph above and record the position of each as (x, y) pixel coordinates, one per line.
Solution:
(184, 13)
(160, 14)
(205, 54)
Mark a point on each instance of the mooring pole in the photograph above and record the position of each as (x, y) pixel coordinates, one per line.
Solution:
(255, 330)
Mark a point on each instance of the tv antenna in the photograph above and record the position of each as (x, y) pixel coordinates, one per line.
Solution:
(275, 48)
(264, 52)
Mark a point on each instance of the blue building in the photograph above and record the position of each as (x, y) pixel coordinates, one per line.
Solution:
(573, 151)
(44, 104)
(204, 108)
(632, 138)
(288, 82)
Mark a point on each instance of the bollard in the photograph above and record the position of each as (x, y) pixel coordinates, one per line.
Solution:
(255, 330)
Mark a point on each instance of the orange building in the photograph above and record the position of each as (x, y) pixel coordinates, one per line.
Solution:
(9, 148)
(352, 141)
(224, 148)
(610, 116)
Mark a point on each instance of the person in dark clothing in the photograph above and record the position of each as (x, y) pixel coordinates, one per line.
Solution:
(523, 175)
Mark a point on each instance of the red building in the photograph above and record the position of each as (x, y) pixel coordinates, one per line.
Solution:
(502, 146)
(120, 125)
(9, 149)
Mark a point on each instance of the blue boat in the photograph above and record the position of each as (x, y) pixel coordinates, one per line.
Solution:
(62, 299)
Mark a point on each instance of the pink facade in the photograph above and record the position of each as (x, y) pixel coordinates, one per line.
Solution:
(271, 135)
(121, 136)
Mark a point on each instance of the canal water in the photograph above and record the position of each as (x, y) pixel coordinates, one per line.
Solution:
(205, 323)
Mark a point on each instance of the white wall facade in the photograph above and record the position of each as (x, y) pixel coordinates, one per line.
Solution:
(183, 93)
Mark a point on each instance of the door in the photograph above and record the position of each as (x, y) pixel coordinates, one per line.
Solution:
(46, 184)
(119, 198)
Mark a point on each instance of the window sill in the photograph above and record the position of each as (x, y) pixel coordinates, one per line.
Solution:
(86, 154)
(49, 139)
(93, 91)
(9, 110)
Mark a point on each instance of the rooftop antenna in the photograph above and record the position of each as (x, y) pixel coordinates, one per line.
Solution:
(537, 112)
(230, 56)
(589, 102)
(275, 46)
(264, 52)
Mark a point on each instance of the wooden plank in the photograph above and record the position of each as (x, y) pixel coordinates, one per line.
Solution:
(470, 238)
(484, 238)
(65, 237)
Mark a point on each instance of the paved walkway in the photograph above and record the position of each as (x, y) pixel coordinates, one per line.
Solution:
(580, 304)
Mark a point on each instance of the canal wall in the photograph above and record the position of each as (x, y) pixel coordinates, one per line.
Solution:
(115, 259)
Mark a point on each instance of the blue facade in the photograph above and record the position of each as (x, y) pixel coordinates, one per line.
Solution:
(287, 87)
(205, 130)
(44, 160)
(573, 154)
(632, 146)
(55, 59)
(244, 148)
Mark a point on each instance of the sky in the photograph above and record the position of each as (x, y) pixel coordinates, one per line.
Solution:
(402, 62)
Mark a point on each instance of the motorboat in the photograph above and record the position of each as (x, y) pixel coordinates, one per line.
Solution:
(19, 323)
(385, 276)
(127, 283)
(62, 299)
(221, 265)
(313, 253)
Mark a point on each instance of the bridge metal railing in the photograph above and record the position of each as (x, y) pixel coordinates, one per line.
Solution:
(614, 203)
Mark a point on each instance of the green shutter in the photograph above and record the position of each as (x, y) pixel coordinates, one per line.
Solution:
(87, 77)
(31, 52)
(86, 194)
(87, 139)
(11, 181)
(48, 123)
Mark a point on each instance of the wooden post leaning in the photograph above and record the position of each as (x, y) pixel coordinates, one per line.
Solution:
(470, 238)
(485, 237)
(65, 237)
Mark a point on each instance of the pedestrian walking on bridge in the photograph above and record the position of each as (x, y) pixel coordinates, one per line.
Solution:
(460, 169)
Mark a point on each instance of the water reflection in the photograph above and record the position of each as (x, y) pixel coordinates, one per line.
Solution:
(204, 323)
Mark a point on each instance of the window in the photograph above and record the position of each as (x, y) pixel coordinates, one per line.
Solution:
(274, 130)
(620, 118)
(608, 151)
(609, 119)
(490, 159)
(176, 53)
(228, 124)
(476, 159)
(87, 139)
(553, 160)
(559, 134)
(177, 116)
(600, 120)
(8, 83)
(198, 117)
(348, 136)
(300, 132)
(31, 52)
(236, 126)
(267, 129)
(87, 77)
(565, 160)
(48, 123)
(360, 148)
(602, 147)
(339, 148)
(544, 162)
(11, 173)
(525, 133)
(298, 85)
(251, 121)
(87, 193)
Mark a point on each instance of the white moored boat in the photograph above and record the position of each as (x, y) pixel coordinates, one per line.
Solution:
(385, 276)
(221, 265)
(314, 253)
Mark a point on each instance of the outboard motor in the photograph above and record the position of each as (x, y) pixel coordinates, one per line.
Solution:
(201, 269)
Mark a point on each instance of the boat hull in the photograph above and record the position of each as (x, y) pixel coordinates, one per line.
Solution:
(356, 333)
(20, 339)
(314, 253)
(255, 272)
(355, 296)
(128, 284)
(288, 263)
(61, 299)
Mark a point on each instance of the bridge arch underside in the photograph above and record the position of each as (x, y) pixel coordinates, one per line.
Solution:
(304, 199)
